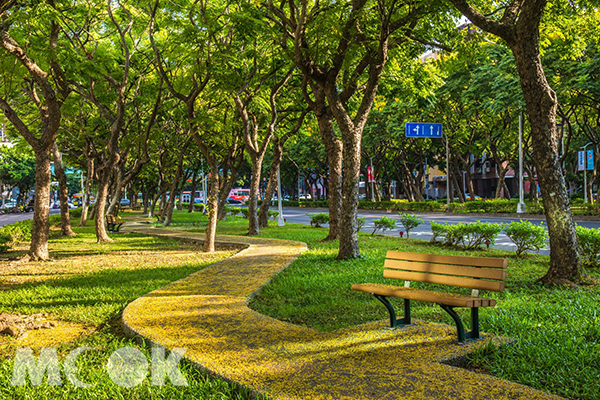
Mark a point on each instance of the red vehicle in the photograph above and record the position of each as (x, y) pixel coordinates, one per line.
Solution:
(239, 194)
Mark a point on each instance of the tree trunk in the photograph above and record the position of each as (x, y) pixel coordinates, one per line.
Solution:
(193, 195)
(334, 151)
(86, 193)
(500, 185)
(145, 197)
(349, 212)
(100, 206)
(541, 103)
(533, 190)
(65, 221)
(520, 27)
(38, 249)
(115, 200)
(168, 215)
(213, 207)
(253, 228)
(163, 205)
(263, 215)
(153, 205)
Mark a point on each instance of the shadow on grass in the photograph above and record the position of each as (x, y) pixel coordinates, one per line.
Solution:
(106, 287)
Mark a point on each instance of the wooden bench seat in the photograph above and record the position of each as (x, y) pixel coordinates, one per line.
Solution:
(112, 224)
(476, 273)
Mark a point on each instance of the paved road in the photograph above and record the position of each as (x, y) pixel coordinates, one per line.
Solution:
(8, 219)
(301, 216)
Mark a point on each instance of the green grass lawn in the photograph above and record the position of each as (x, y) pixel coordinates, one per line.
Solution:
(86, 286)
(556, 330)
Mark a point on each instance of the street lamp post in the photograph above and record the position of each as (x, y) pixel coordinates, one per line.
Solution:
(585, 194)
(447, 174)
(521, 206)
(372, 181)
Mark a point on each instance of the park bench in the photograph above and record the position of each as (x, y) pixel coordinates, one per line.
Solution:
(112, 224)
(476, 273)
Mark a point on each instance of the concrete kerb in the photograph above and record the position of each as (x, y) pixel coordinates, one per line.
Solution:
(207, 313)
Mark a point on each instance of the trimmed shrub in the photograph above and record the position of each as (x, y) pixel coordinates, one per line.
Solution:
(233, 210)
(469, 236)
(451, 233)
(319, 219)
(360, 223)
(75, 212)
(15, 233)
(526, 235)
(19, 231)
(6, 241)
(384, 223)
(589, 245)
(245, 212)
(274, 214)
(54, 220)
(409, 221)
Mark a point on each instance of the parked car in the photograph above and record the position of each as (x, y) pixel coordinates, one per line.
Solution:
(56, 204)
(10, 204)
(125, 202)
(30, 206)
(231, 200)
(305, 197)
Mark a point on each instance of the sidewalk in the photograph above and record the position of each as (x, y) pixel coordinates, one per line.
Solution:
(206, 313)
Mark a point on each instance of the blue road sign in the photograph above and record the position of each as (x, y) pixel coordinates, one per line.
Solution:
(423, 129)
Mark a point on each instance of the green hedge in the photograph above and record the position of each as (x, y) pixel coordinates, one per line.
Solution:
(15, 233)
(402, 205)
(589, 245)
(502, 206)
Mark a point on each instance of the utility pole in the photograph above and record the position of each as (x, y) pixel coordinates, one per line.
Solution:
(521, 206)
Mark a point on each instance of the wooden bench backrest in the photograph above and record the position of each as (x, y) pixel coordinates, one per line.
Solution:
(110, 218)
(469, 272)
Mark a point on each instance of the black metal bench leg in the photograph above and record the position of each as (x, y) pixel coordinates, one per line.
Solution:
(395, 322)
(460, 329)
(474, 334)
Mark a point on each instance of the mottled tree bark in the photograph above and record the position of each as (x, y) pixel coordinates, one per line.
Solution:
(176, 180)
(38, 250)
(519, 27)
(213, 199)
(88, 187)
(263, 214)
(100, 206)
(48, 100)
(333, 149)
(65, 221)
(193, 195)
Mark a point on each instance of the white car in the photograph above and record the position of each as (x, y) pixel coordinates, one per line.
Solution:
(10, 204)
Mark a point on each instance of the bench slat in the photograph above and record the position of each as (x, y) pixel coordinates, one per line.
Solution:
(445, 280)
(429, 296)
(445, 269)
(486, 262)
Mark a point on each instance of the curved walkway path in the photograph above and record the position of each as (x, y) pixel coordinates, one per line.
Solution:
(207, 314)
